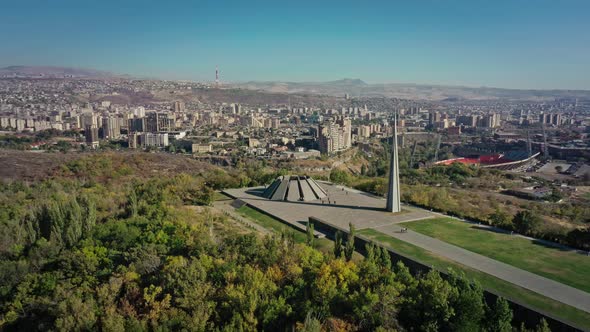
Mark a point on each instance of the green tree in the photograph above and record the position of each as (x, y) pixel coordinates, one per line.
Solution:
(339, 176)
(580, 238)
(338, 249)
(63, 221)
(89, 207)
(384, 258)
(526, 222)
(499, 218)
(543, 326)
(430, 307)
(468, 304)
(556, 195)
(310, 235)
(73, 225)
(349, 247)
(370, 252)
(132, 204)
(75, 314)
(311, 324)
(499, 316)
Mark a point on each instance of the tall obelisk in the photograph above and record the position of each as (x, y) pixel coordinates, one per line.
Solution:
(393, 194)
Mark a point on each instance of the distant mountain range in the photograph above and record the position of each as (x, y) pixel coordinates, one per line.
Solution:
(52, 72)
(357, 87)
(352, 87)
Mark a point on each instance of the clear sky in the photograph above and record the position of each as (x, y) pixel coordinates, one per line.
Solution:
(515, 43)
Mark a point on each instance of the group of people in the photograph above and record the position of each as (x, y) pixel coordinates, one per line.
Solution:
(329, 202)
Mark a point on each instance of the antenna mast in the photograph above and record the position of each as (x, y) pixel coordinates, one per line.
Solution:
(216, 76)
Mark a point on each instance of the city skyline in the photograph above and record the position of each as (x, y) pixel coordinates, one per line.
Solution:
(504, 45)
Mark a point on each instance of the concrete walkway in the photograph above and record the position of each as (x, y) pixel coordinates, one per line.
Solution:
(538, 284)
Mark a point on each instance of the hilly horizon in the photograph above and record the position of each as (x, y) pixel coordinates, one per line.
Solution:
(53, 72)
(359, 88)
(354, 87)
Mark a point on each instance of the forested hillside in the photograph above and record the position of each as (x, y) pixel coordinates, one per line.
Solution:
(104, 245)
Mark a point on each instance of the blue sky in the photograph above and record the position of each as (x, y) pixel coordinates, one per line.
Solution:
(514, 44)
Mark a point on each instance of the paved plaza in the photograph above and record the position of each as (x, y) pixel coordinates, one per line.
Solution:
(345, 205)
(340, 207)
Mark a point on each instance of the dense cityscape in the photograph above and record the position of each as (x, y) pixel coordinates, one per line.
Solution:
(304, 166)
(279, 130)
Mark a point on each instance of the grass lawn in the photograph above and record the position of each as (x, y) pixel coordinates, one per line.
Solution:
(277, 226)
(496, 285)
(567, 267)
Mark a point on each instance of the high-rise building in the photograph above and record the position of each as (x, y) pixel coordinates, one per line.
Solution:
(550, 118)
(157, 122)
(334, 136)
(346, 125)
(137, 125)
(20, 124)
(154, 140)
(364, 131)
(91, 133)
(132, 140)
(236, 108)
(178, 106)
(556, 119)
(491, 120)
(275, 123)
(253, 121)
(139, 112)
(272, 123)
(111, 127)
(467, 120)
(151, 122)
(4, 123)
(88, 119)
(328, 138)
(434, 117)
